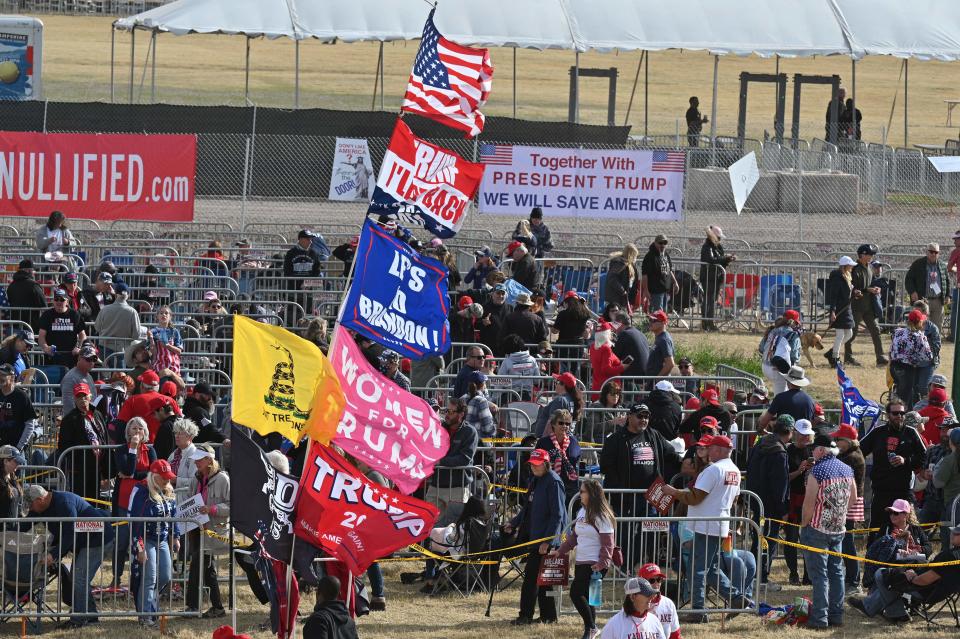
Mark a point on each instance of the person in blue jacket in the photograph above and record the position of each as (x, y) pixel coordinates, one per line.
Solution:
(542, 516)
(88, 542)
(152, 543)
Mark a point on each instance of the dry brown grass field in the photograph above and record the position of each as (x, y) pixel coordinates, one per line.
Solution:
(208, 69)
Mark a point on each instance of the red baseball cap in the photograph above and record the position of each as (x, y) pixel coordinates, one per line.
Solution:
(692, 404)
(464, 301)
(938, 394)
(604, 326)
(162, 467)
(567, 379)
(846, 431)
(658, 316)
(158, 402)
(149, 378)
(569, 295)
(710, 396)
(916, 316)
(709, 421)
(650, 571)
(81, 389)
(721, 440)
(705, 441)
(169, 389)
(791, 315)
(513, 246)
(539, 456)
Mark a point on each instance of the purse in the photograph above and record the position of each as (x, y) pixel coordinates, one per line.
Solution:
(616, 556)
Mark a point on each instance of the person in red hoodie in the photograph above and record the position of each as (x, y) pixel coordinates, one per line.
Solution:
(603, 362)
(139, 405)
(935, 413)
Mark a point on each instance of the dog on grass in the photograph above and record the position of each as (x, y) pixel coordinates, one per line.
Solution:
(808, 340)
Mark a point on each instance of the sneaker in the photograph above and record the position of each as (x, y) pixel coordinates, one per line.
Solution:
(794, 579)
(408, 578)
(882, 361)
(214, 613)
(522, 621)
(378, 604)
(851, 361)
(904, 619)
(544, 621)
(693, 617)
(857, 602)
(72, 624)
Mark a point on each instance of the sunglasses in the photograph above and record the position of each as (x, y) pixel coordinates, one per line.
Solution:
(563, 423)
(898, 412)
(933, 252)
(661, 243)
(59, 299)
(656, 580)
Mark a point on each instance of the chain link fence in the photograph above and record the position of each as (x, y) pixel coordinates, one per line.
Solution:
(81, 7)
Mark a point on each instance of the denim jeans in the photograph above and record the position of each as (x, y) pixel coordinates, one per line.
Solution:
(703, 562)
(770, 529)
(155, 576)
(376, 579)
(658, 301)
(86, 563)
(924, 373)
(123, 544)
(851, 566)
(883, 600)
(740, 567)
(826, 576)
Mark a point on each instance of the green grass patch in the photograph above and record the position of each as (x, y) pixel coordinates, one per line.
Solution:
(915, 199)
(706, 357)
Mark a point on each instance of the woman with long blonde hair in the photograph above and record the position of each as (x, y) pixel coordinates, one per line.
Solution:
(593, 536)
(622, 280)
(152, 543)
(839, 296)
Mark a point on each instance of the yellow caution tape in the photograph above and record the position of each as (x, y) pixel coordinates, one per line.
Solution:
(513, 489)
(429, 554)
(35, 475)
(823, 551)
(855, 531)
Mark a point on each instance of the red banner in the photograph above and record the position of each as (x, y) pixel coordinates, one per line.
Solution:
(352, 518)
(104, 177)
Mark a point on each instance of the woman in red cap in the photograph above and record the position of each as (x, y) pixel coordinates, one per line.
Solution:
(152, 543)
(909, 353)
(780, 349)
(566, 395)
(83, 426)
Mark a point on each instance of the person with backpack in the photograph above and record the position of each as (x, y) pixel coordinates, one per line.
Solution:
(780, 349)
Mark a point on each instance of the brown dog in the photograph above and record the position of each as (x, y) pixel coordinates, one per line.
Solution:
(808, 340)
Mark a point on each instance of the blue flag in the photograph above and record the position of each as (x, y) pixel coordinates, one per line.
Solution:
(398, 297)
(856, 409)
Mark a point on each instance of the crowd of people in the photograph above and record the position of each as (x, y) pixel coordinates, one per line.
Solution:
(616, 408)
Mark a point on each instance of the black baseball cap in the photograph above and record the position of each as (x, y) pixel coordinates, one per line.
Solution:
(25, 263)
(867, 249)
(638, 409)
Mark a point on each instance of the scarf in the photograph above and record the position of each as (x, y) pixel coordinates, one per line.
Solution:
(562, 465)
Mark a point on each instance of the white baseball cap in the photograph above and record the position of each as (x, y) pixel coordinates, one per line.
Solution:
(803, 426)
(847, 261)
(664, 385)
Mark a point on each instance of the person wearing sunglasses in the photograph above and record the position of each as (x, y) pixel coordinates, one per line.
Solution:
(927, 280)
(898, 451)
(661, 605)
(564, 449)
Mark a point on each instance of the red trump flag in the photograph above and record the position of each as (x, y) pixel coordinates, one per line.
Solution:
(353, 518)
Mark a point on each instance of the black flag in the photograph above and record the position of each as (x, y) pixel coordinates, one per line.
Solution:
(262, 499)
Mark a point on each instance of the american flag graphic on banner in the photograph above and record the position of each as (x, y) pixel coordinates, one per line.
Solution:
(669, 161)
(496, 154)
(449, 82)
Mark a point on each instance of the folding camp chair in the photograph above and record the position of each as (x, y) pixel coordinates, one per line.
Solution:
(468, 578)
(26, 577)
(936, 604)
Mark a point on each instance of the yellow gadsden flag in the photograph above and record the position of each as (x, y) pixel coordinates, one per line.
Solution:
(283, 384)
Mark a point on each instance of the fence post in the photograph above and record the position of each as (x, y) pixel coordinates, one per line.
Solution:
(246, 182)
(799, 164)
(883, 186)
(46, 103)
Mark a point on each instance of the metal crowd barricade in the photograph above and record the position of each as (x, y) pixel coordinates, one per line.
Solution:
(450, 487)
(50, 477)
(86, 467)
(634, 386)
(35, 587)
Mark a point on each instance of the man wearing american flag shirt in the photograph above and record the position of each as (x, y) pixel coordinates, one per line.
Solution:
(449, 82)
(831, 492)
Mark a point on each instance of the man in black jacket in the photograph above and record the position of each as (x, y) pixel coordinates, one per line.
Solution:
(768, 477)
(524, 268)
(898, 451)
(490, 325)
(330, 618)
(540, 231)
(709, 407)
(634, 455)
(927, 279)
(300, 262)
(665, 410)
(524, 322)
(633, 343)
(863, 303)
(658, 281)
(199, 407)
(25, 293)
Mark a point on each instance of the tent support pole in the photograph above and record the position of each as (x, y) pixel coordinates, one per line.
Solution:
(113, 47)
(153, 67)
(383, 63)
(246, 74)
(514, 82)
(296, 74)
(376, 78)
(853, 94)
(713, 110)
(576, 87)
(133, 39)
(646, 94)
(636, 79)
(906, 96)
(776, 71)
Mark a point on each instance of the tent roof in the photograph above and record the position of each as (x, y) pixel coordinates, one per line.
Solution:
(919, 28)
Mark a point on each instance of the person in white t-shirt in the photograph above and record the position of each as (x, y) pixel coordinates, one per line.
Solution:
(712, 495)
(593, 537)
(661, 605)
(635, 621)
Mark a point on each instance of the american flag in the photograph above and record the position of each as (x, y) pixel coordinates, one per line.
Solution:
(449, 82)
(669, 161)
(496, 154)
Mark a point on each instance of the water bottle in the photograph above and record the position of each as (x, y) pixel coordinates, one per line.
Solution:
(596, 589)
